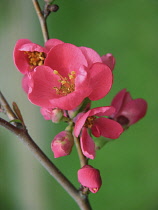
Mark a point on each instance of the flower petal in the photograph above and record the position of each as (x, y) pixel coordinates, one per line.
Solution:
(25, 83)
(41, 90)
(135, 110)
(19, 57)
(32, 47)
(101, 81)
(99, 111)
(87, 144)
(65, 58)
(79, 123)
(109, 60)
(107, 128)
(91, 55)
(118, 100)
(52, 43)
(102, 111)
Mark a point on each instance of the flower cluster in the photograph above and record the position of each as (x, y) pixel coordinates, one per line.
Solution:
(62, 79)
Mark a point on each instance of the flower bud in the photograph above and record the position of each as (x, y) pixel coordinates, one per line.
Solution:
(62, 144)
(53, 8)
(90, 177)
(55, 115)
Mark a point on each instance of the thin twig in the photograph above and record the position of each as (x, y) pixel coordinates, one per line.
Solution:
(42, 20)
(6, 109)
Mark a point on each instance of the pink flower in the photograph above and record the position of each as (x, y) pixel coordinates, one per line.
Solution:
(69, 75)
(128, 110)
(90, 177)
(94, 121)
(55, 115)
(109, 60)
(27, 55)
(62, 144)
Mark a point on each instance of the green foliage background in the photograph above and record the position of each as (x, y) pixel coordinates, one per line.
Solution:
(129, 165)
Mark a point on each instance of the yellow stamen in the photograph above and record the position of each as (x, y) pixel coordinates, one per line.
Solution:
(89, 121)
(67, 84)
(35, 58)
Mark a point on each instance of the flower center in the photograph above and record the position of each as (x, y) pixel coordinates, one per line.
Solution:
(89, 121)
(35, 58)
(122, 120)
(67, 84)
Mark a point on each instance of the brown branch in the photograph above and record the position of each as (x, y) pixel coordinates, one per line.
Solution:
(25, 138)
(42, 20)
(6, 108)
(22, 133)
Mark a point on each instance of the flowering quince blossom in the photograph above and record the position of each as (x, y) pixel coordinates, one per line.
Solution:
(62, 144)
(28, 55)
(128, 110)
(90, 177)
(68, 76)
(93, 120)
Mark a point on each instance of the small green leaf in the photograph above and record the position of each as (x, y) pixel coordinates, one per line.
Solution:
(16, 120)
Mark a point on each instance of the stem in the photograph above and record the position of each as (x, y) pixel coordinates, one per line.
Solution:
(82, 158)
(6, 108)
(25, 138)
(42, 20)
(22, 133)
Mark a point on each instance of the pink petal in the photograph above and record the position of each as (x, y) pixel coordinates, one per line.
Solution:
(19, 57)
(90, 177)
(99, 111)
(41, 89)
(101, 81)
(108, 128)
(118, 100)
(135, 110)
(65, 58)
(109, 60)
(46, 112)
(91, 55)
(52, 43)
(87, 144)
(31, 47)
(102, 111)
(42, 93)
(25, 83)
(79, 123)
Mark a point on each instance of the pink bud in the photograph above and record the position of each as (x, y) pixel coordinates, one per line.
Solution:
(109, 60)
(55, 115)
(90, 177)
(62, 144)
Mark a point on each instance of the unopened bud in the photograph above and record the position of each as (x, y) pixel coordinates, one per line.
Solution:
(55, 115)
(53, 8)
(62, 144)
(90, 177)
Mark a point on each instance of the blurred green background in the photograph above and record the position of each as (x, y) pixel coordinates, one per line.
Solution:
(129, 165)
